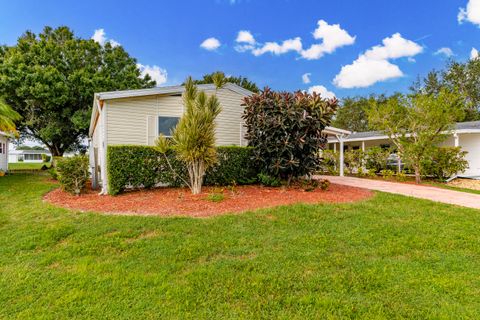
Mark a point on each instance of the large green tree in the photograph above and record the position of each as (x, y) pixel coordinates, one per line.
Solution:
(50, 80)
(352, 113)
(241, 81)
(417, 123)
(463, 77)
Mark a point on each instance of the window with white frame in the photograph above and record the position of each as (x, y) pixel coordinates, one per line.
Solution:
(33, 156)
(2, 148)
(166, 125)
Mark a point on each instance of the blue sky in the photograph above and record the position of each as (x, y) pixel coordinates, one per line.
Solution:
(166, 37)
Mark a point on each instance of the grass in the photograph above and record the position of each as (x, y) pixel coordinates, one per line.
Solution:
(26, 166)
(385, 258)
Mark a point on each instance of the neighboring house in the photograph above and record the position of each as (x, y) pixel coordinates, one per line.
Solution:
(29, 156)
(137, 117)
(3, 151)
(465, 135)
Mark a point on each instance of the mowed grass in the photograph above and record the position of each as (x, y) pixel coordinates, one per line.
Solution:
(385, 258)
(27, 165)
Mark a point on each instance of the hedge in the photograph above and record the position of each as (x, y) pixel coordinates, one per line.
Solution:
(132, 166)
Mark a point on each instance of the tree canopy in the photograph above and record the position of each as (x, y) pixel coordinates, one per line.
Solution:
(352, 113)
(417, 123)
(50, 80)
(241, 81)
(8, 117)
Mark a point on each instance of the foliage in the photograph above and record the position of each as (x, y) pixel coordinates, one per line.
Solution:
(387, 174)
(285, 131)
(216, 195)
(241, 81)
(401, 176)
(416, 123)
(463, 77)
(73, 174)
(146, 167)
(445, 162)
(193, 139)
(354, 160)
(8, 117)
(46, 158)
(324, 184)
(330, 161)
(25, 147)
(376, 158)
(269, 181)
(309, 185)
(50, 80)
(352, 113)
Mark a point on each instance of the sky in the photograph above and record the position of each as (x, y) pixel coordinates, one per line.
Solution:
(342, 47)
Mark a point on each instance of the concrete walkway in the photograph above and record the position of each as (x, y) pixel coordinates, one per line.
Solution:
(424, 192)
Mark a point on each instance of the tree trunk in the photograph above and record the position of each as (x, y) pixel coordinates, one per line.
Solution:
(418, 178)
(55, 153)
(196, 171)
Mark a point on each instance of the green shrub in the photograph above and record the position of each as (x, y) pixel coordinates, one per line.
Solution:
(353, 160)
(330, 160)
(376, 158)
(445, 162)
(387, 174)
(268, 180)
(324, 184)
(73, 174)
(285, 130)
(46, 158)
(145, 167)
(401, 176)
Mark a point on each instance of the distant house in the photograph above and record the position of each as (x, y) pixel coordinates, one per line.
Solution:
(137, 117)
(32, 156)
(465, 135)
(3, 151)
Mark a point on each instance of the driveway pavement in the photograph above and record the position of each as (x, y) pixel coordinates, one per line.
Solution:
(418, 191)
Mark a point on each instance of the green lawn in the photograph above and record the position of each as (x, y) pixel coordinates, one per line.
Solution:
(26, 166)
(385, 258)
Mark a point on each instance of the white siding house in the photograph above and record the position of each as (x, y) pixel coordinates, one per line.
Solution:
(29, 156)
(137, 117)
(465, 135)
(3, 152)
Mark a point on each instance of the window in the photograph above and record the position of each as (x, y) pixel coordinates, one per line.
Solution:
(356, 148)
(166, 125)
(33, 157)
(2, 146)
(385, 146)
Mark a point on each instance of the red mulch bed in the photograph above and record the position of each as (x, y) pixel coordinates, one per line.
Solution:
(180, 201)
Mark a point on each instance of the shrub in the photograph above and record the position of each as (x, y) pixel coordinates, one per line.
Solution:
(46, 158)
(324, 184)
(145, 167)
(387, 174)
(269, 181)
(285, 130)
(445, 162)
(377, 158)
(73, 174)
(330, 160)
(353, 160)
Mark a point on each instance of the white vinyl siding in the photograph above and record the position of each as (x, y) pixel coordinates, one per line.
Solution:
(135, 120)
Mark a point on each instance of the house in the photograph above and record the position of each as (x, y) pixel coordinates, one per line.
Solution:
(29, 156)
(465, 135)
(137, 117)
(3, 151)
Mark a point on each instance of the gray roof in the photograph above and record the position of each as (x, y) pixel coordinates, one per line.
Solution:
(166, 90)
(469, 125)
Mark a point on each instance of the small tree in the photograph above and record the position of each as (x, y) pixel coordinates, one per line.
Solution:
(285, 130)
(193, 139)
(417, 123)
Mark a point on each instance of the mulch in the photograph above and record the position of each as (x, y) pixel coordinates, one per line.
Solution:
(180, 201)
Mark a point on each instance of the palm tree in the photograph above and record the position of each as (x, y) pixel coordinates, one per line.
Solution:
(193, 139)
(8, 116)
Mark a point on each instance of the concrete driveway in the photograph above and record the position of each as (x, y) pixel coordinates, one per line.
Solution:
(418, 191)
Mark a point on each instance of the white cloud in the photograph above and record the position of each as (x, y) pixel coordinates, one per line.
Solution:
(332, 37)
(473, 54)
(373, 66)
(245, 36)
(447, 52)
(100, 37)
(322, 91)
(156, 73)
(471, 13)
(306, 78)
(210, 44)
(278, 49)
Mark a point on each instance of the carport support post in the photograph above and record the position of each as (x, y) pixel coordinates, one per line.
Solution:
(456, 139)
(340, 139)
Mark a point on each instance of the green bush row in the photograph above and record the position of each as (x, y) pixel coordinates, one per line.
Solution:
(144, 167)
